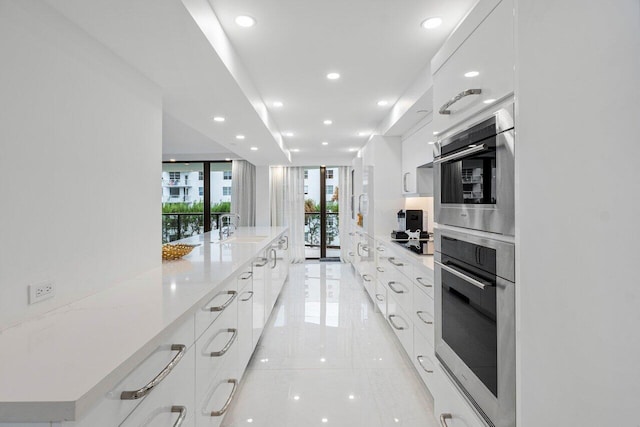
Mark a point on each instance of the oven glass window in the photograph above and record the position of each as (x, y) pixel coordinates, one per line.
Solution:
(470, 180)
(469, 326)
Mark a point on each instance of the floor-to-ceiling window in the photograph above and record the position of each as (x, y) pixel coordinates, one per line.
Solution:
(194, 195)
(321, 213)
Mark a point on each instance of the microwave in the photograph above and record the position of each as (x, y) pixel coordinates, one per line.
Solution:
(474, 174)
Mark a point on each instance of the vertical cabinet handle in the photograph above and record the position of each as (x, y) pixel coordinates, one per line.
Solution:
(444, 418)
(272, 252)
(182, 410)
(137, 394)
(227, 346)
(284, 240)
(404, 182)
(226, 303)
(224, 408)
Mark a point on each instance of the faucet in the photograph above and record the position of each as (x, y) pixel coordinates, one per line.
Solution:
(225, 230)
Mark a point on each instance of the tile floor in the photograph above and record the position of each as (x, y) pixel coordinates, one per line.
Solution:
(327, 359)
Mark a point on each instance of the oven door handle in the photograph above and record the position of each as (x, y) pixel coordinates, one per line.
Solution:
(463, 276)
(463, 153)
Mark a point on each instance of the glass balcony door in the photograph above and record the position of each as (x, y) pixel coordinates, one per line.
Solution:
(322, 240)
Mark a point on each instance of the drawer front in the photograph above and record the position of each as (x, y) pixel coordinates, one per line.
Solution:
(401, 288)
(112, 410)
(218, 304)
(399, 264)
(422, 314)
(424, 359)
(213, 402)
(172, 402)
(450, 404)
(369, 283)
(260, 278)
(400, 323)
(245, 326)
(380, 297)
(489, 51)
(215, 347)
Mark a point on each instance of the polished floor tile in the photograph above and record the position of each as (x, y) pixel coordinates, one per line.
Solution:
(326, 358)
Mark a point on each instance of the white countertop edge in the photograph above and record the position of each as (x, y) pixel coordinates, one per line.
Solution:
(75, 410)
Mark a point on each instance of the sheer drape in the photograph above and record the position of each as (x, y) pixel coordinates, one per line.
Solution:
(287, 206)
(243, 192)
(344, 216)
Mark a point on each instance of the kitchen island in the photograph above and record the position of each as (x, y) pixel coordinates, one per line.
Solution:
(65, 366)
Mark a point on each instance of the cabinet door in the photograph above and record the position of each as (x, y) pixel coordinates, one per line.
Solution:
(225, 295)
(424, 359)
(171, 404)
(489, 52)
(450, 405)
(213, 403)
(401, 323)
(245, 320)
(417, 150)
(422, 314)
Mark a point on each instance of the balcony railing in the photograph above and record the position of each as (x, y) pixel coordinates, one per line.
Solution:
(176, 226)
(312, 229)
(176, 183)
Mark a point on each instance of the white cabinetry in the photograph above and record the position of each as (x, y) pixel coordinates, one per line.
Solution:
(483, 61)
(417, 179)
(245, 318)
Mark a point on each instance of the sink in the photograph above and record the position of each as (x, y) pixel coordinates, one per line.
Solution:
(244, 239)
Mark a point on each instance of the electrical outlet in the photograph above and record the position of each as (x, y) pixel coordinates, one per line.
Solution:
(41, 292)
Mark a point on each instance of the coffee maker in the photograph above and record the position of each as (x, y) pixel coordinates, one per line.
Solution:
(411, 220)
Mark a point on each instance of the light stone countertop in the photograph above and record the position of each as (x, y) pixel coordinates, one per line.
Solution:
(61, 363)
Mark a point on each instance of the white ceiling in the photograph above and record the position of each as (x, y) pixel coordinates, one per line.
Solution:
(206, 65)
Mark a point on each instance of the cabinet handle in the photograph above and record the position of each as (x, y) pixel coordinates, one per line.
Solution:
(380, 269)
(379, 297)
(351, 254)
(419, 314)
(248, 275)
(358, 246)
(391, 316)
(137, 394)
(380, 249)
(228, 402)
(227, 346)
(275, 258)
(404, 182)
(249, 297)
(182, 410)
(444, 418)
(285, 239)
(364, 277)
(392, 260)
(226, 303)
(394, 289)
(458, 97)
(463, 276)
(419, 359)
(463, 153)
(261, 262)
(426, 285)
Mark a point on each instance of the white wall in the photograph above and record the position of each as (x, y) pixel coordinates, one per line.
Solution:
(578, 212)
(82, 131)
(263, 201)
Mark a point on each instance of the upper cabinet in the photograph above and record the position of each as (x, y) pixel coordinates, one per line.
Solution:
(417, 158)
(475, 66)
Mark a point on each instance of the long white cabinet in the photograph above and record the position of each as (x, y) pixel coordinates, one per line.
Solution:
(186, 335)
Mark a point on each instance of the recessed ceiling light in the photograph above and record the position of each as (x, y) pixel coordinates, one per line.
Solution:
(239, 136)
(218, 119)
(351, 397)
(471, 74)
(277, 104)
(296, 397)
(324, 420)
(431, 142)
(353, 149)
(295, 150)
(364, 133)
(249, 420)
(254, 148)
(333, 76)
(435, 132)
(489, 101)
(172, 160)
(328, 122)
(431, 23)
(227, 159)
(288, 133)
(383, 103)
(325, 143)
(245, 21)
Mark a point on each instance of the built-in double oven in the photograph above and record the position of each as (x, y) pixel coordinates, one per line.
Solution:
(475, 263)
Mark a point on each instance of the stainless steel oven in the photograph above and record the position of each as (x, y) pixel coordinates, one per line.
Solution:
(475, 320)
(474, 175)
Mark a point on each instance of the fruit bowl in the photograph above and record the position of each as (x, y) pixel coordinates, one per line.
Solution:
(177, 251)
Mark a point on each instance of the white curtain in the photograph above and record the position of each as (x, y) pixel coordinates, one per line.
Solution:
(344, 203)
(243, 192)
(287, 206)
